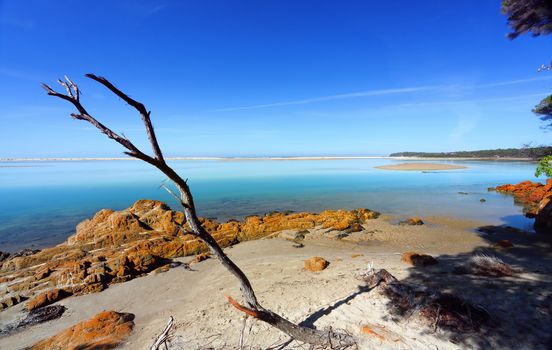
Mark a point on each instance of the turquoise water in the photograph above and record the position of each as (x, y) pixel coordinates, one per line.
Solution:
(41, 202)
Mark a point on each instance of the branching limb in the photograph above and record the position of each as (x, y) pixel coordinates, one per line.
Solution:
(253, 308)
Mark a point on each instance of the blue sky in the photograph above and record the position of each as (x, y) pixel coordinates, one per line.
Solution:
(274, 78)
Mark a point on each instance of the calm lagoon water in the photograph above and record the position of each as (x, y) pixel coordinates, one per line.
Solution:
(41, 202)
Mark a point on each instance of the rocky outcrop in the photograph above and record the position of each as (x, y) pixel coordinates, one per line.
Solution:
(117, 246)
(536, 200)
(105, 331)
(316, 264)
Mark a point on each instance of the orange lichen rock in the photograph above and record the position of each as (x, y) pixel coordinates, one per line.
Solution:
(47, 298)
(202, 256)
(117, 246)
(104, 331)
(412, 222)
(536, 199)
(316, 264)
(417, 259)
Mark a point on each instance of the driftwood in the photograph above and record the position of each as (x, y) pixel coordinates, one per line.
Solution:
(184, 196)
(164, 336)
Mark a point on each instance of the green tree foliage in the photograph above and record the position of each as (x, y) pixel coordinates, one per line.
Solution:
(544, 110)
(544, 167)
(524, 152)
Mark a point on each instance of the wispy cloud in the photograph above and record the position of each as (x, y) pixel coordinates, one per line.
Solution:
(463, 127)
(515, 82)
(379, 92)
(332, 97)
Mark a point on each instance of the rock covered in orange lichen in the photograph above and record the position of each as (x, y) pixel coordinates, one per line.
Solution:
(105, 331)
(117, 246)
(536, 200)
(417, 259)
(47, 298)
(316, 263)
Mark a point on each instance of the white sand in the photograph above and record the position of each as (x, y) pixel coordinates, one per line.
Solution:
(196, 299)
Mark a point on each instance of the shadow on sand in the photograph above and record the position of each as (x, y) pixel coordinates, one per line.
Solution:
(520, 307)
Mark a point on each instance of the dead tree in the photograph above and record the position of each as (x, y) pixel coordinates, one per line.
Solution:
(252, 306)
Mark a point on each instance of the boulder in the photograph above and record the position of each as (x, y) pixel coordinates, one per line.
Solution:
(417, 259)
(316, 264)
(47, 298)
(106, 330)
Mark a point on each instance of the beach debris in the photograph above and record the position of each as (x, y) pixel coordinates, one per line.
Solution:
(417, 259)
(426, 305)
(298, 245)
(463, 193)
(34, 317)
(368, 330)
(43, 314)
(411, 222)
(164, 336)
(316, 263)
(47, 298)
(354, 256)
(486, 265)
(482, 200)
(105, 330)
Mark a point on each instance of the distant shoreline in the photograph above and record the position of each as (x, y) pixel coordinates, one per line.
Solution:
(80, 159)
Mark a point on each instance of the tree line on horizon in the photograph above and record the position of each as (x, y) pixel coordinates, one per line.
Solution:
(535, 153)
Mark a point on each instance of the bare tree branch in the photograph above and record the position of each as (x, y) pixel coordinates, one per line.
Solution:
(145, 114)
(253, 308)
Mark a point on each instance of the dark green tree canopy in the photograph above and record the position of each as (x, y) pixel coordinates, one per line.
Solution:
(524, 16)
(544, 110)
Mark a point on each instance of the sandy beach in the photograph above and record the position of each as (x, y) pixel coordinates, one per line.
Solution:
(330, 298)
(420, 166)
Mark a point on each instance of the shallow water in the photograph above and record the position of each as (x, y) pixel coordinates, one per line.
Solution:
(41, 202)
